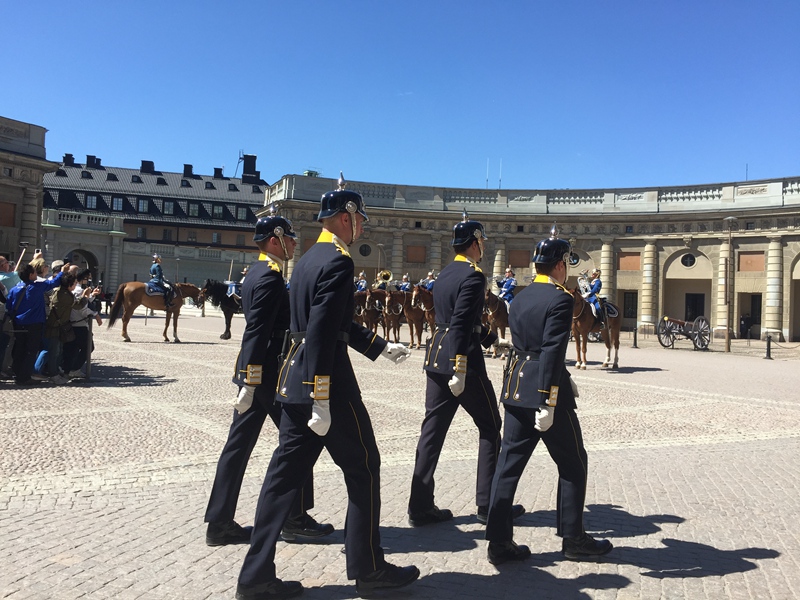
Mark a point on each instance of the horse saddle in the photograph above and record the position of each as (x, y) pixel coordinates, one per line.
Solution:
(151, 288)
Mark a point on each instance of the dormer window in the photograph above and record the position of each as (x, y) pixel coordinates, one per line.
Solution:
(59, 173)
(111, 177)
(91, 201)
(86, 175)
(116, 203)
(210, 186)
(185, 183)
(194, 210)
(144, 205)
(161, 181)
(232, 187)
(256, 189)
(169, 207)
(217, 211)
(241, 213)
(136, 179)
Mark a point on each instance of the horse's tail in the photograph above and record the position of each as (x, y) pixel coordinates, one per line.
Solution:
(116, 308)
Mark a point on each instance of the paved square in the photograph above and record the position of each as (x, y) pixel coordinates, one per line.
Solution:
(693, 464)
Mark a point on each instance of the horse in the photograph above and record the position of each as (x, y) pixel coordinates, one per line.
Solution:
(132, 294)
(360, 299)
(423, 298)
(584, 323)
(374, 315)
(217, 293)
(415, 317)
(496, 316)
(392, 311)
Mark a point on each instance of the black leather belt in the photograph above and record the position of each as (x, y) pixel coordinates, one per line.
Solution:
(476, 329)
(299, 336)
(526, 354)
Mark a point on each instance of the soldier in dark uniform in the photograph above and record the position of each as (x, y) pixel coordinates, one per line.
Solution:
(322, 408)
(539, 399)
(456, 376)
(266, 310)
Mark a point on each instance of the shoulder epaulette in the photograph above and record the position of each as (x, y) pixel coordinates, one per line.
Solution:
(274, 266)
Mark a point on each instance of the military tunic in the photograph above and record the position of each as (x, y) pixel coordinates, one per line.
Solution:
(265, 303)
(541, 318)
(317, 368)
(458, 302)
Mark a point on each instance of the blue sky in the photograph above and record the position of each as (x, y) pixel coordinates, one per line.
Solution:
(567, 94)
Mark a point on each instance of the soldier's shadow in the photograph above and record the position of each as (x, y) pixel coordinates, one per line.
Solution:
(607, 520)
(439, 537)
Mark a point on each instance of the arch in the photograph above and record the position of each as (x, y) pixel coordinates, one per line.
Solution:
(687, 290)
(675, 269)
(85, 260)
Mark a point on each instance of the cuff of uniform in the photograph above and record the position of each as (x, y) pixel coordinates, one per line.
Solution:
(460, 363)
(550, 397)
(320, 387)
(253, 374)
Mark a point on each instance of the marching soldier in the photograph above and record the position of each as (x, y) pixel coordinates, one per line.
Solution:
(539, 398)
(507, 285)
(265, 302)
(322, 408)
(456, 376)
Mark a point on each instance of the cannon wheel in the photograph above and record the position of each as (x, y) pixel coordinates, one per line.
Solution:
(701, 333)
(665, 333)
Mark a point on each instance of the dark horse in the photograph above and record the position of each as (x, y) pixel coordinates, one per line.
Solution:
(496, 316)
(132, 294)
(216, 292)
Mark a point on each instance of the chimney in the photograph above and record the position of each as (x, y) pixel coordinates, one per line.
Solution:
(218, 173)
(90, 158)
(249, 173)
(148, 166)
(187, 171)
(97, 163)
(69, 160)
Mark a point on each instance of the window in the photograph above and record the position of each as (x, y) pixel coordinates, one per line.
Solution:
(256, 189)
(8, 171)
(519, 259)
(630, 305)
(216, 238)
(191, 236)
(8, 214)
(86, 175)
(91, 201)
(144, 205)
(750, 225)
(240, 239)
(629, 261)
(116, 203)
(169, 207)
(520, 228)
(751, 261)
(364, 250)
(185, 183)
(167, 237)
(210, 186)
(141, 233)
(574, 259)
(688, 260)
(161, 181)
(416, 254)
(628, 228)
(217, 211)
(417, 224)
(194, 210)
(136, 179)
(241, 214)
(232, 187)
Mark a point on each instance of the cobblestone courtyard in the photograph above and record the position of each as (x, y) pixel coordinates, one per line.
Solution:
(693, 474)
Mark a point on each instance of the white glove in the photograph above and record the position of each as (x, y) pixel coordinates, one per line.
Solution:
(544, 418)
(457, 383)
(244, 400)
(502, 343)
(587, 294)
(574, 387)
(397, 353)
(320, 421)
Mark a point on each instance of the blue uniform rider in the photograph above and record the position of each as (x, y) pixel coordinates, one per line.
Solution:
(361, 284)
(405, 285)
(428, 283)
(157, 279)
(592, 296)
(507, 285)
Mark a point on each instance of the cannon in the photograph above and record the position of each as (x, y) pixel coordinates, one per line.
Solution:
(699, 331)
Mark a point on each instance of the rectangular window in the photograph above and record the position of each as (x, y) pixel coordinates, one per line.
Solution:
(143, 205)
(191, 236)
(91, 201)
(630, 305)
(629, 261)
(167, 237)
(217, 212)
(141, 233)
(116, 203)
(240, 239)
(216, 238)
(416, 254)
(169, 207)
(519, 259)
(194, 210)
(241, 214)
(8, 171)
(751, 261)
(8, 214)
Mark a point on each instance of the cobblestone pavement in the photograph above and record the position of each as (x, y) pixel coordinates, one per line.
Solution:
(694, 476)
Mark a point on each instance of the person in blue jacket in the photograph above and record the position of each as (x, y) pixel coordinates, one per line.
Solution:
(157, 278)
(593, 298)
(507, 285)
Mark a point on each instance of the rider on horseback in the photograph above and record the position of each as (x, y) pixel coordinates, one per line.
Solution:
(158, 280)
(592, 297)
(405, 286)
(507, 285)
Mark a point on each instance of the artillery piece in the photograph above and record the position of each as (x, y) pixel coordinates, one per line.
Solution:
(699, 331)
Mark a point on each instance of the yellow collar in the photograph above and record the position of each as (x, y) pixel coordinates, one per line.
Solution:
(467, 259)
(275, 263)
(329, 237)
(548, 279)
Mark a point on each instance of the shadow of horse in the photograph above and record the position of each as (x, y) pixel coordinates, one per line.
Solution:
(104, 375)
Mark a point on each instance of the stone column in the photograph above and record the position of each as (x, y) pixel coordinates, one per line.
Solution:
(773, 305)
(609, 276)
(648, 315)
(114, 264)
(435, 261)
(499, 265)
(30, 223)
(397, 255)
(723, 310)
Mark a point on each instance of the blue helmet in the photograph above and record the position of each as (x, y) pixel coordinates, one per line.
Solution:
(552, 250)
(273, 225)
(467, 230)
(341, 200)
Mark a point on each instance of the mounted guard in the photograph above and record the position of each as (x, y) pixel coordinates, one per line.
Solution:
(158, 283)
(405, 285)
(507, 285)
(590, 290)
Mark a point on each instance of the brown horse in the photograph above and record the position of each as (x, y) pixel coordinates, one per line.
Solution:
(392, 311)
(497, 316)
(584, 323)
(373, 315)
(130, 295)
(415, 317)
(423, 298)
(360, 299)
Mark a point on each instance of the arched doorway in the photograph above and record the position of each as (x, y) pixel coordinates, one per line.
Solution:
(86, 260)
(687, 286)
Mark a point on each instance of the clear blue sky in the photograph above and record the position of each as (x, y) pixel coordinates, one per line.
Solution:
(568, 94)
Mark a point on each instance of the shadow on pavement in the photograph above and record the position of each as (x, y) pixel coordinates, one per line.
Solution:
(634, 369)
(122, 376)
(604, 520)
